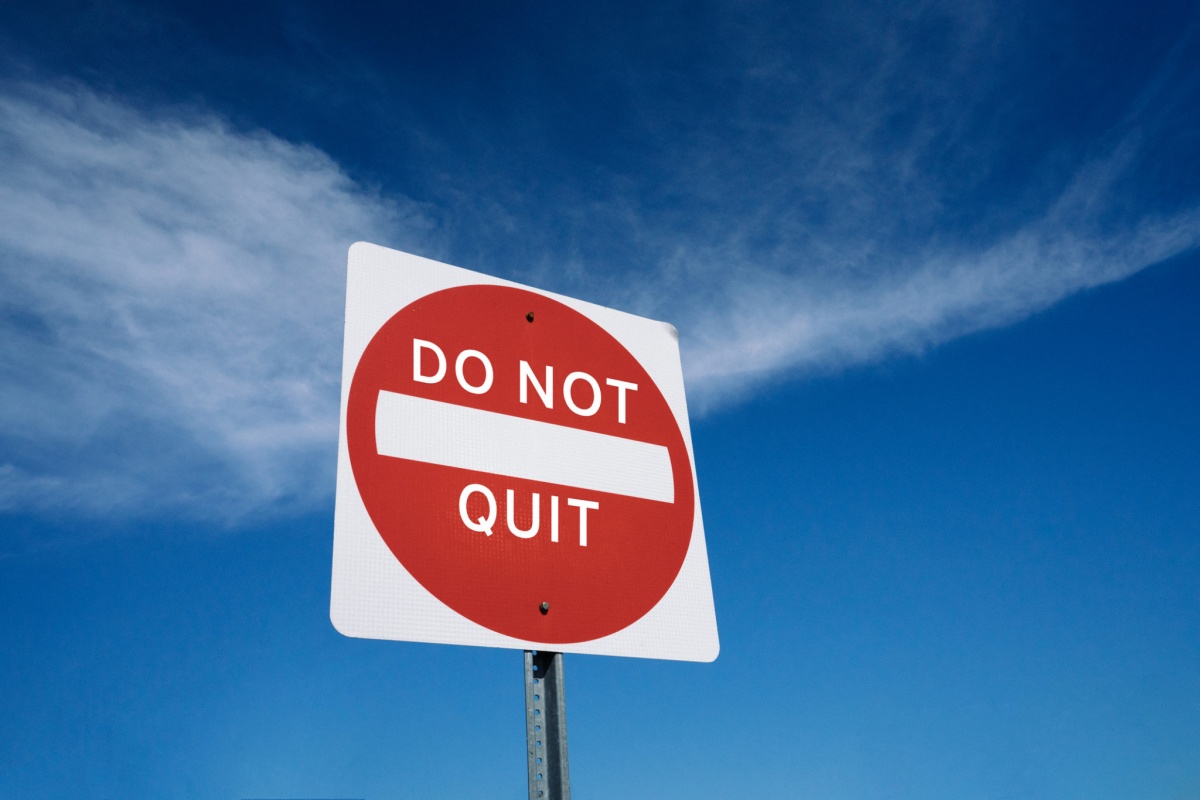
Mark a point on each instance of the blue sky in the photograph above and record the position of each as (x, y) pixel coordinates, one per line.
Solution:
(935, 273)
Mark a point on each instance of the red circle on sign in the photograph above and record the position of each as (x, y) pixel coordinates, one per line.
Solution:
(634, 546)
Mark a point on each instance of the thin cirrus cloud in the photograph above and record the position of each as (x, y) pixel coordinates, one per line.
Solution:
(770, 326)
(173, 287)
(172, 309)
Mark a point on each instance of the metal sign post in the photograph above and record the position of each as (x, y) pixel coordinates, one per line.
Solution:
(546, 726)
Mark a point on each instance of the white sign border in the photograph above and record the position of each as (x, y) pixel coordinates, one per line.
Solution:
(373, 596)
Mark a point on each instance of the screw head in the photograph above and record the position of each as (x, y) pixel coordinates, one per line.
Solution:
(544, 607)
(529, 317)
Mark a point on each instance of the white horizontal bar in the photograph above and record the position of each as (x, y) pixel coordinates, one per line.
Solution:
(467, 438)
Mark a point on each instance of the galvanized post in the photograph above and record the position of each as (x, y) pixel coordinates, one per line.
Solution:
(546, 726)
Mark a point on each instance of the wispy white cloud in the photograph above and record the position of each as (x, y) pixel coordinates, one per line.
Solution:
(767, 320)
(770, 326)
(172, 289)
(171, 308)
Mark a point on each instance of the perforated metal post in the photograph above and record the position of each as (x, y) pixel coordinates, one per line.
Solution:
(546, 726)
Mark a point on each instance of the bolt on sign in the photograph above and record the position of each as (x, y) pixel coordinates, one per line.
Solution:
(515, 470)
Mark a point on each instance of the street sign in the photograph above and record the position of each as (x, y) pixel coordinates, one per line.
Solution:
(515, 470)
